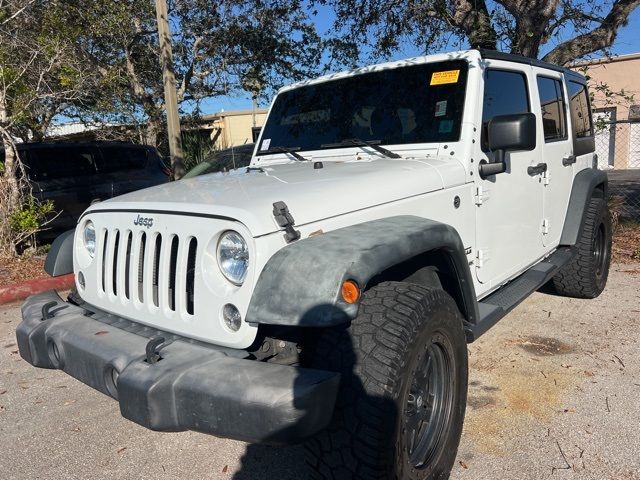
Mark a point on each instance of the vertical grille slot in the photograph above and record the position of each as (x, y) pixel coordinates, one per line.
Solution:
(191, 273)
(105, 237)
(114, 278)
(173, 260)
(156, 269)
(143, 245)
(127, 266)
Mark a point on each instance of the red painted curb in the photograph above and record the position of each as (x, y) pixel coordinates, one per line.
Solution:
(23, 290)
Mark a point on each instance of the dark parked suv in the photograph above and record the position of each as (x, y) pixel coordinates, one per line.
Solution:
(74, 175)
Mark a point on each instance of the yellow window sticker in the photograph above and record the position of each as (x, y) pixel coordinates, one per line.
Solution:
(442, 78)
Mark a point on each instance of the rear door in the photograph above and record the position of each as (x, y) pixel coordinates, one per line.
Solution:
(557, 152)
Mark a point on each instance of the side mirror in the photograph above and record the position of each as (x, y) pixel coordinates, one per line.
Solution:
(508, 133)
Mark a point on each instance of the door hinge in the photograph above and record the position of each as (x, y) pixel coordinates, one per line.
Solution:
(545, 226)
(480, 196)
(545, 177)
(479, 258)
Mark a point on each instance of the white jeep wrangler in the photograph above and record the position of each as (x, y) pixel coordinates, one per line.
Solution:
(326, 293)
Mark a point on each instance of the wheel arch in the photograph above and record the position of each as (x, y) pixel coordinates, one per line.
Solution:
(300, 284)
(587, 184)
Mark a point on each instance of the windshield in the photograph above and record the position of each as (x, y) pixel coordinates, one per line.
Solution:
(414, 104)
(224, 160)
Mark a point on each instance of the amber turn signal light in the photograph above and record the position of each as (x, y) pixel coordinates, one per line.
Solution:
(350, 291)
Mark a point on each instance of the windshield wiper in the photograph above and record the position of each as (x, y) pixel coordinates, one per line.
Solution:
(290, 150)
(358, 142)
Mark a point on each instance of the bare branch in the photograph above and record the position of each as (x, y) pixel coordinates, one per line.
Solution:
(597, 39)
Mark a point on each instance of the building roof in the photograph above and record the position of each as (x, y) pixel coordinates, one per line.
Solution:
(233, 113)
(603, 60)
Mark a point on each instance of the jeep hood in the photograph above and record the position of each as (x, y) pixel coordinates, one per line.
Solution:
(310, 193)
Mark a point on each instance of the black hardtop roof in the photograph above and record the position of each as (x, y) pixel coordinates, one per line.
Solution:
(98, 143)
(512, 57)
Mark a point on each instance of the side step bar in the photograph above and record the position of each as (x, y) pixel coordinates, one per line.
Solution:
(502, 301)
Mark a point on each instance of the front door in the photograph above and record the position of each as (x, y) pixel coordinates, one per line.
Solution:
(557, 152)
(509, 205)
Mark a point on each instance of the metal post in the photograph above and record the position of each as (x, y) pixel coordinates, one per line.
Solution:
(170, 94)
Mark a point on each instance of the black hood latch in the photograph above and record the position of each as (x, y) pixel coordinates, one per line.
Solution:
(285, 220)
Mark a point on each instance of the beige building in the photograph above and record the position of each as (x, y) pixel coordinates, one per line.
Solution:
(232, 128)
(614, 84)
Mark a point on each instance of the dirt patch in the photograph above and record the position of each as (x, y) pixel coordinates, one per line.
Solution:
(21, 269)
(626, 242)
(543, 346)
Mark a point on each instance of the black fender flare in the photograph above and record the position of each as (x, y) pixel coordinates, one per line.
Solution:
(60, 257)
(301, 283)
(584, 184)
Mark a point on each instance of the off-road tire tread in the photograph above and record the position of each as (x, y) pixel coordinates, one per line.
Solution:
(577, 278)
(390, 316)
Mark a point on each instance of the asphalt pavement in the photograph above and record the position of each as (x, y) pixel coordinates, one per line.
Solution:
(553, 394)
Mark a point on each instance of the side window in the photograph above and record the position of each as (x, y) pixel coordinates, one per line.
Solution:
(554, 116)
(49, 163)
(121, 159)
(580, 116)
(505, 93)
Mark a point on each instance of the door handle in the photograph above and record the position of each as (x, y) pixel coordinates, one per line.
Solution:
(537, 169)
(568, 160)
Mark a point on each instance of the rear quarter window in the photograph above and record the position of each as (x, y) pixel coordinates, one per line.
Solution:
(580, 116)
(121, 159)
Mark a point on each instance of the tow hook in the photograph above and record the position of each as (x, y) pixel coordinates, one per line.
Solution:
(153, 350)
(49, 312)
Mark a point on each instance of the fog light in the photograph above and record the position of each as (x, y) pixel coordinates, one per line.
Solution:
(232, 318)
(81, 281)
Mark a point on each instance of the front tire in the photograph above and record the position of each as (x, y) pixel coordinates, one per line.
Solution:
(402, 399)
(585, 276)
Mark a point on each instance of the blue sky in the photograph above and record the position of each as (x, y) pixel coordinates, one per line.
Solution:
(628, 41)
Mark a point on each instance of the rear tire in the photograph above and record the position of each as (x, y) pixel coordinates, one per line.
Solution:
(585, 276)
(402, 398)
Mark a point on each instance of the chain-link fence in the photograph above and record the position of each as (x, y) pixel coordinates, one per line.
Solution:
(618, 149)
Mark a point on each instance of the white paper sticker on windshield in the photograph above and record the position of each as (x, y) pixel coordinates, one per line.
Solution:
(265, 144)
(441, 108)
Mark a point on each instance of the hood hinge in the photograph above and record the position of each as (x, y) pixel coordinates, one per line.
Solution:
(285, 220)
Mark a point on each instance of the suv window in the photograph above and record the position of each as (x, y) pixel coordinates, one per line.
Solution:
(554, 114)
(49, 163)
(413, 104)
(121, 159)
(505, 93)
(579, 102)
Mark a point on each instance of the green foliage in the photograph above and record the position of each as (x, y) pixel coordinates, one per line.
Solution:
(196, 147)
(30, 218)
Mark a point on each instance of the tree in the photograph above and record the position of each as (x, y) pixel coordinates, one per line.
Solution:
(517, 26)
(39, 78)
(215, 44)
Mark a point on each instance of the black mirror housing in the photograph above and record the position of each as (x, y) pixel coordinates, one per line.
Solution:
(512, 132)
(508, 133)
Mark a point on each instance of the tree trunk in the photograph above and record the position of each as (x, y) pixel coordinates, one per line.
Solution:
(10, 160)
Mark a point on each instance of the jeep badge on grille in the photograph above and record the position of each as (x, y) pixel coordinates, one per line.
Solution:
(143, 221)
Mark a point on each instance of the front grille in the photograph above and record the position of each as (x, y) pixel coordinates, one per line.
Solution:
(149, 268)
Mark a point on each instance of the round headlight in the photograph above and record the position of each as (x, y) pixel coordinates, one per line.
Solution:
(89, 236)
(233, 257)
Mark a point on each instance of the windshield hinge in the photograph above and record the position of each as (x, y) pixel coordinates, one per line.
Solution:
(285, 220)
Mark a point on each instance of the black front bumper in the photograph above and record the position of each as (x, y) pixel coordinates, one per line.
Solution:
(193, 387)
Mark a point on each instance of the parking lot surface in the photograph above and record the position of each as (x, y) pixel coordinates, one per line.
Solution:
(553, 393)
